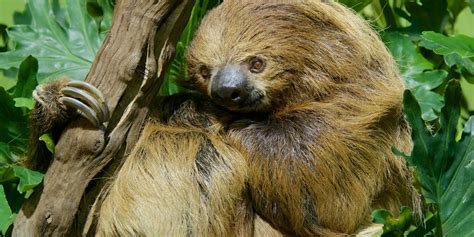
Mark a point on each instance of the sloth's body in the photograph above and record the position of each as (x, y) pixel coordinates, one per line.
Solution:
(301, 106)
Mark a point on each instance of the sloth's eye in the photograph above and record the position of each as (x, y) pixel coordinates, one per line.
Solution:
(257, 65)
(205, 72)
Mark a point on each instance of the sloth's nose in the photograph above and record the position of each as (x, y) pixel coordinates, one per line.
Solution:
(229, 86)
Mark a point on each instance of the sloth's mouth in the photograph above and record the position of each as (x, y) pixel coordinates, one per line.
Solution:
(253, 102)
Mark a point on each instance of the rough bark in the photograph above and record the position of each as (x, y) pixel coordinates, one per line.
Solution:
(128, 69)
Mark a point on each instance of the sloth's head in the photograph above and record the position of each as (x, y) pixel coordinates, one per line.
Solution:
(261, 55)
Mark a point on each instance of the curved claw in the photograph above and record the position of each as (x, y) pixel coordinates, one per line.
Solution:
(86, 98)
(85, 110)
(95, 93)
(36, 96)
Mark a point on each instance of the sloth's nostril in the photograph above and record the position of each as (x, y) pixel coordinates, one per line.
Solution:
(235, 95)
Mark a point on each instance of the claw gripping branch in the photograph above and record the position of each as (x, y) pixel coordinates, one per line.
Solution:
(83, 151)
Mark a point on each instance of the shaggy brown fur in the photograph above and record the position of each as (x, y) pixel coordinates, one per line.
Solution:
(312, 157)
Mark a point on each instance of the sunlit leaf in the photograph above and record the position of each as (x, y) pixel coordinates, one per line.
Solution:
(60, 49)
(48, 140)
(28, 178)
(24, 102)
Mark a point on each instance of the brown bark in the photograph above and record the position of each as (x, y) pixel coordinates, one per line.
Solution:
(128, 69)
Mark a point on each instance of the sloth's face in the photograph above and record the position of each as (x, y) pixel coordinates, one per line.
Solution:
(236, 86)
(264, 55)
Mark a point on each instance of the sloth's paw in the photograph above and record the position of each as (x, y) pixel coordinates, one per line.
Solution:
(81, 96)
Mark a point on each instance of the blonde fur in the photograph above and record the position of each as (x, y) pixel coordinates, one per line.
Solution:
(316, 164)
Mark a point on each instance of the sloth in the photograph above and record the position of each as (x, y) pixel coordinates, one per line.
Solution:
(299, 105)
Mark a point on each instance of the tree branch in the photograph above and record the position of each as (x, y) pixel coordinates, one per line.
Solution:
(128, 69)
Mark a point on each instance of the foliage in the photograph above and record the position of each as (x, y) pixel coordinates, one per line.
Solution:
(444, 167)
(54, 38)
(63, 46)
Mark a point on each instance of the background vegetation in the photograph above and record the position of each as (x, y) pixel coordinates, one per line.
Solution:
(431, 40)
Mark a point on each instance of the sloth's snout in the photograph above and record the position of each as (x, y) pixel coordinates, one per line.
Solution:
(229, 86)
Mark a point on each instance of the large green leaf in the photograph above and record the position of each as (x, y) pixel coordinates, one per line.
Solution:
(63, 47)
(444, 167)
(457, 50)
(418, 73)
(6, 215)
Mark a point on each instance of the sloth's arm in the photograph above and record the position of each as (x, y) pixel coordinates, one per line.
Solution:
(308, 175)
(56, 103)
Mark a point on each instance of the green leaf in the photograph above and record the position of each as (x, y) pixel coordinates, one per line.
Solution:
(456, 59)
(427, 15)
(24, 102)
(26, 78)
(61, 49)
(107, 9)
(28, 178)
(457, 50)
(430, 103)
(410, 61)
(443, 45)
(444, 167)
(6, 82)
(395, 226)
(48, 140)
(356, 4)
(417, 73)
(6, 215)
(427, 80)
(456, 6)
(23, 17)
(471, 5)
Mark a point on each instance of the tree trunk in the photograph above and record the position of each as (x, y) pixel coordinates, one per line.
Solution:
(128, 69)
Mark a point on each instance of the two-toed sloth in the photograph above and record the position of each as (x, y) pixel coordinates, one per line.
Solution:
(300, 106)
